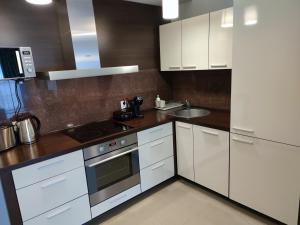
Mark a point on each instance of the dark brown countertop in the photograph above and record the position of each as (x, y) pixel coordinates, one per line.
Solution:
(57, 144)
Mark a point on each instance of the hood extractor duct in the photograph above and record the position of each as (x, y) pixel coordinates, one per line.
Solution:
(85, 46)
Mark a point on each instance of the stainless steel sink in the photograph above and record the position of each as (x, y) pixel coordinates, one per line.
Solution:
(190, 113)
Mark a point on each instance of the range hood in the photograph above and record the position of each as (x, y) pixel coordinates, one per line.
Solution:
(85, 46)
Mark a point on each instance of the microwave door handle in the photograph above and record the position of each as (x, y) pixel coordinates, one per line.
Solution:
(19, 62)
(112, 157)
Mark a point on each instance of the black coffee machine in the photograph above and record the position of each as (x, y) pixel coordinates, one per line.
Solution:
(132, 110)
(135, 105)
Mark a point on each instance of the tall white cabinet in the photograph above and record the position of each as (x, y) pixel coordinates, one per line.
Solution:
(265, 121)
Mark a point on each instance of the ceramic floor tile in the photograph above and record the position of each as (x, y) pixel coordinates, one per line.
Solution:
(182, 203)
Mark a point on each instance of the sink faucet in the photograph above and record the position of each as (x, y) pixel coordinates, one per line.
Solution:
(187, 103)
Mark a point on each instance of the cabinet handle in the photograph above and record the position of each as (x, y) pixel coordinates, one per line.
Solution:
(174, 67)
(210, 132)
(243, 129)
(219, 66)
(51, 164)
(53, 182)
(156, 130)
(58, 212)
(184, 127)
(158, 166)
(243, 141)
(190, 67)
(157, 144)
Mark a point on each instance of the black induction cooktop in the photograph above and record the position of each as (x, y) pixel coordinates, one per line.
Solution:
(95, 130)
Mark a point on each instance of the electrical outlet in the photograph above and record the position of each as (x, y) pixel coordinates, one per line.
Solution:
(123, 104)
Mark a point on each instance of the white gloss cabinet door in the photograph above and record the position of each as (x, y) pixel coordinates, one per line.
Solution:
(265, 75)
(220, 39)
(185, 150)
(265, 176)
(211, 158)
(170, 46)
(195, 33)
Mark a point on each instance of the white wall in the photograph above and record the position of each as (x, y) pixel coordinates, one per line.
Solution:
(4, 220)
(197, 7)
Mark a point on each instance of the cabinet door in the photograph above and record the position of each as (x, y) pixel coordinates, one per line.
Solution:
(195, 32)
(211, 158)
(185, 150)
(170, 46)
(220, 39)
(265, 75)
(265, 176)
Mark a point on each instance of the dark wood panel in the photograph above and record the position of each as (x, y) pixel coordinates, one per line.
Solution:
(24, 24)
(127, 33)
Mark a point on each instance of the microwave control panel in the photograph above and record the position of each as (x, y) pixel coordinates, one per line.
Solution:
(27, 62)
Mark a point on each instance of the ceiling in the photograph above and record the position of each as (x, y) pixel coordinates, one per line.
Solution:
(148, 2)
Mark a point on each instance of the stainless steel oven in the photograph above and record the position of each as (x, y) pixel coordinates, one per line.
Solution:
(112, 167)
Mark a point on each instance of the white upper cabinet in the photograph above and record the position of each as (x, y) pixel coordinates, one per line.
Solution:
(170, 46)
(195, 32)
(220, 39)
(265, 76)
(185, 150)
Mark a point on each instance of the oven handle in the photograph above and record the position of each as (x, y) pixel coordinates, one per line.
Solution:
(113, 157)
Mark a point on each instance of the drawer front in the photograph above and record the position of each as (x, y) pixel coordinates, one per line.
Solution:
(156, 151)
(157, 173)
(41, 171)
(76, 212)
(115, 201)
(49, 194)
(154, 133)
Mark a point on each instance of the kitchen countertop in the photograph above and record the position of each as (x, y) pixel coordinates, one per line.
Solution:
(56, 144)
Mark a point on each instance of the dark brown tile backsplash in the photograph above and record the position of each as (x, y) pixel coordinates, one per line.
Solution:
(206, 88)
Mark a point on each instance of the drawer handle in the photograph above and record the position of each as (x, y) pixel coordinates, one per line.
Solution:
(174, 67)
(243, 141)
(156, 130)
(58, 212)
(53, 182)
(209, 132)
(51, 164)
(219, 66)
(184, 127)
(158, 166)
(118, 199)
(243, 129)
(157, 144)
(190, 67)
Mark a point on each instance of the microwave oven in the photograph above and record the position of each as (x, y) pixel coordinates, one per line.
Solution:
(16, 63)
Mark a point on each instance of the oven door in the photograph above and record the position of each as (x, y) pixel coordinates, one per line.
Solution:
(112, 173)
(10, 63)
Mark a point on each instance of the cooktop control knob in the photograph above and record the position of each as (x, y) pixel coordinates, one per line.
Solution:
(101, 149)
(123, 142)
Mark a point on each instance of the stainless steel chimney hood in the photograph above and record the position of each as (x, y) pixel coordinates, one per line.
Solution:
(85, 46)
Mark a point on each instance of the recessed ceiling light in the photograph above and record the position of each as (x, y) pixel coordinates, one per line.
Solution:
(39, 2)
(170, 9)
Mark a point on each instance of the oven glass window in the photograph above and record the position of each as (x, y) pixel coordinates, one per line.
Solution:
(113, 171)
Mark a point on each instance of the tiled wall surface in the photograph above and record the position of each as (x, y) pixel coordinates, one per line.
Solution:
(79, 101)
(207, 88)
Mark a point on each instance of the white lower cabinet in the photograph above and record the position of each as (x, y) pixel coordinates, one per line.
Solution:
(115, 201)
(185, 150)
(51, 193)
(211, 158)
(76, 212)
(265, 176)
(157, 173)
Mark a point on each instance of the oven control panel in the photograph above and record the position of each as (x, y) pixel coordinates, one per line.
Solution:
(109, 146)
